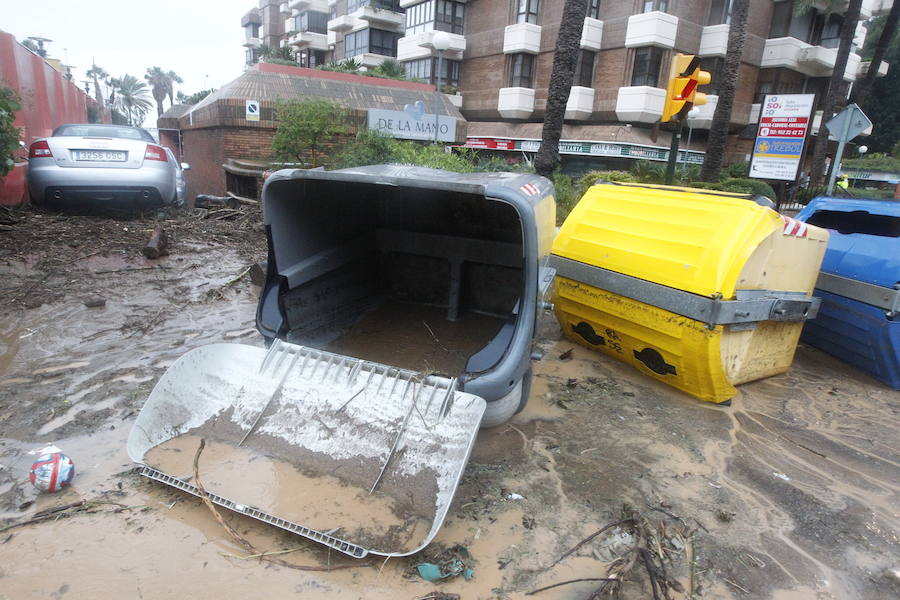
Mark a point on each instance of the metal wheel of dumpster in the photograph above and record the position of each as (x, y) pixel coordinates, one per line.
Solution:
(701, 290)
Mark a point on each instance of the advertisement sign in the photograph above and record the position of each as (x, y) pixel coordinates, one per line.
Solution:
(783, 123)
(412, 123)
(252, 111)
(610, 149)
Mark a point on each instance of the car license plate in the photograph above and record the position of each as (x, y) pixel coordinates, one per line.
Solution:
(100, 155)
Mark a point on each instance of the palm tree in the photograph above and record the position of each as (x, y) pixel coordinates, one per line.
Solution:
(568, 43)
(97, 74)
(718, 132)
(157, 79)
(172, 78)
(835, 88)
(132, 98)
(861, 91)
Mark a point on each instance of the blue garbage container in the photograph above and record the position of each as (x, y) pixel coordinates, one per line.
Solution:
(859, 318)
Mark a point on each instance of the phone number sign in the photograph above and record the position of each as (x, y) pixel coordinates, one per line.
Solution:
(783, 125)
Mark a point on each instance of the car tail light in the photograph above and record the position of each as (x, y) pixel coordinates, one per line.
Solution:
(155, 153)
(40, 149)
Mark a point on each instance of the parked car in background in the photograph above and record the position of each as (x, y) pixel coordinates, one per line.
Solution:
(103, 164)
(180, 182)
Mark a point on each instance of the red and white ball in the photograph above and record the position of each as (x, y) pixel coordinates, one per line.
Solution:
(52, 471)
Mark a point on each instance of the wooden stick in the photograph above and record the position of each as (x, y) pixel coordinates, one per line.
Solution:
(550, 587)
(588, 539)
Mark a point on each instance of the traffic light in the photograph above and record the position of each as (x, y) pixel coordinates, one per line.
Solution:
(681, 92)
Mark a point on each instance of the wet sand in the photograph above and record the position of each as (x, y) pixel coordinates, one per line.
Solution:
(318, 501)
(792, 492)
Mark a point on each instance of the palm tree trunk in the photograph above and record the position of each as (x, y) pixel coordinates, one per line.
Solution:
(887, 34)
(568, 44)
(718, 132)
(833, 95)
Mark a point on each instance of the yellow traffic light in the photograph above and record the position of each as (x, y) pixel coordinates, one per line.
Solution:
(681, 92)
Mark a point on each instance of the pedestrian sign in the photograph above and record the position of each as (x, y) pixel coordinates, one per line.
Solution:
(783, 124)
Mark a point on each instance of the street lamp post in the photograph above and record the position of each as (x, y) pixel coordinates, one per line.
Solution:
(692, 114)
(440, 42)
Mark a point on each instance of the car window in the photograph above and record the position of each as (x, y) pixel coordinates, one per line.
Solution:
(171, 156)
(128, 133)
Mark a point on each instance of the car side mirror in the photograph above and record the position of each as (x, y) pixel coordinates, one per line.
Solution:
(186, 166)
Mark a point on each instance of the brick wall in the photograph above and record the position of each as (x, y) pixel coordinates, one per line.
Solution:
(248, 144)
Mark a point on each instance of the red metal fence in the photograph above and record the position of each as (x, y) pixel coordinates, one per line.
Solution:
(48, 99)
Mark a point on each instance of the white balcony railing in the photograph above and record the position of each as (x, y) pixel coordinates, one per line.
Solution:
(640, 103)
(522, 37)
(651, 29)
(382, 18)
(341, 23)
(714, 41)
(581, 103)
(309, 39)
(515, 102)
(591, 34)
(421, 45)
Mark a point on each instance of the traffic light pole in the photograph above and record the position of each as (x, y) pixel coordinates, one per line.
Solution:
(673, 151)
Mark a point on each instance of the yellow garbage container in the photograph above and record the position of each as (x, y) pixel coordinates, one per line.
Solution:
(700, 289)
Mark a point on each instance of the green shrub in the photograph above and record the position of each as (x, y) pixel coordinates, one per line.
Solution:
(566, 195)
(735, 170)
(9, 134)
(756, 187)
(304, 125)
(372, 148)
(646, 171)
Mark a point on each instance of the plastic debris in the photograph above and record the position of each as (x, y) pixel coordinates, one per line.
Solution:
(451, 567)
(781, 476)
(52, 470)
(515, 496)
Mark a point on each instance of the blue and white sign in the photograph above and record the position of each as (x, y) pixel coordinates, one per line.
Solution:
(412, 123)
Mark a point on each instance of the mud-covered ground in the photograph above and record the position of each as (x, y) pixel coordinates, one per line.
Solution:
(789, 493)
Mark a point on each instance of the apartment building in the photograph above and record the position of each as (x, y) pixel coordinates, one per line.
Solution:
(263, 26)
(498, 64)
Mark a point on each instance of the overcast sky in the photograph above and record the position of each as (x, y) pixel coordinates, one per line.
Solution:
(199, 40)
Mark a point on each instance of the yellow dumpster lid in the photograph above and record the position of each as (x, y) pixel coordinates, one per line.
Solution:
(691, 239)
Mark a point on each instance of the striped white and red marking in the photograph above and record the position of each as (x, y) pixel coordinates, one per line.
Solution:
(794, 227)
(60, 467)
(529, 189)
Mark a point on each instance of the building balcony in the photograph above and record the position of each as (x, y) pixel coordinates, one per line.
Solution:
(591, 34)
(863, 69)
(381, 18)
(332, 38)
(455, 99)
(816, 61)
(522, 37)
(284, 9)
(705, 113)
(640, 103)
(753, 117)
(581, 103)
(714, 41)
(341, 23)
(812, 61)
(252, 42)
(317, 5)
(309, 39)
(651, 29)
(421, 45)
(515, 102)
(369, 60)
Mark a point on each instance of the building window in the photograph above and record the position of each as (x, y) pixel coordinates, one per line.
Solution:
(527, 11)
(250, 56)
(440, 15)
(647, 61)
(521, 73)
(584, 69)
(251, 31)
(594, 9)
(311, 58)
(719, 12)
(424, 69)
(660, 5)
(375, 41)
(314, 22)
(716, 69)
(393, 5)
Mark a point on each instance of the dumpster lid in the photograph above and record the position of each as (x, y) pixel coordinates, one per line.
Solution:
(377, 442)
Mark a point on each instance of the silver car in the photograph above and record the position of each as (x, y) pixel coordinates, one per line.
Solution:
(109, 164)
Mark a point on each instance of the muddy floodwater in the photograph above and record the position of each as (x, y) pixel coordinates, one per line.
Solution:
(318, 501)
(790, 493)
